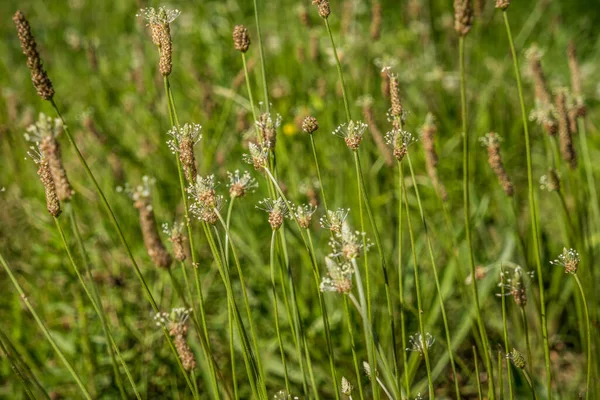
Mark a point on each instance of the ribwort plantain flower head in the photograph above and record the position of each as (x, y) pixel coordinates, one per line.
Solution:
(310, 124)
(352, 133)
(399, 140)
(239, 185)
(258, 156)
(569, 260)
(206, 212)
(43, 128)
(304, 213)
(349, 244)
(241, 38)
(339, 276)
(278, 210)
(334, 219)
(515, 284)
(267, 125)
(419, 343)
(186, 133)
(516, 358)
(346, 386)
(551, 181)
(176, 237)
(203, 190)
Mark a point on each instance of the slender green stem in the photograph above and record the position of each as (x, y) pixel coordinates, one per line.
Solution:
(588, 380)
(532, 209)
(500, 378)
(505, 334)
(45, 330)
(353, 345)
(314, 150)
(527, 342)
(230, 317)
(228, 221)
(420, 310)
(262, 58)
(401, 285)
(530, 383)
(24, 379)
(339, 70)
(250, 97)
(435, 277)
(587, 162)
(477, 375)
(276, 309)
(467, 216)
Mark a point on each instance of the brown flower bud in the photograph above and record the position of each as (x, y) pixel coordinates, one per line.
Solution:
(502, 4)
(241, 39)
(310, 124)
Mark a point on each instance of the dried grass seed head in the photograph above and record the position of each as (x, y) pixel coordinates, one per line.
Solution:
(569, 260)
(339, 276)
(241, 38)
(39, 77)
(310, 124)
(239, 185)
(352, 133)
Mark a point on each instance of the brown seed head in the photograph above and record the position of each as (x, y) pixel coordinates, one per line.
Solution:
(310, 124)
(542, 94)
(396, 110)
(52, 202)
(463, 16)
(152, 240)
(502, 4)
(431, 159)
(492, 142)
(376, 20)
(179, 332)
(276, 219)
(567, 148)
(187, 158)
(50, 147)
(39, 77)
(323, 8)
(241, 39)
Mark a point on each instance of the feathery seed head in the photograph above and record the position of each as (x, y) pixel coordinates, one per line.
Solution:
(569, 260)
(334, 219)
(352, 133)
(310, 124)
(463, 16)
(241, 39)
(339, 276)
(39, 77)
(258, 156)
(420, 343)
(278, 210)
(240, 185)
(203, 190)
(304, 214)
(399, 140)
(323, 8)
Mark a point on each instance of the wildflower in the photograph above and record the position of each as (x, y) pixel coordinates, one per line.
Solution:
(176, 322)
(346, 386)
(241, 39)
(567, 150)
(352, 133)
(39, 77)
(203, 190)
(310, 124)
(431, 159)
(399, 140)
(159, 21)
(322, 7)
(396, 110)
(463, 16)
(569, 259)
(44, 132)
(240, 185)
(267, 126)
(175, 233)
(544, 114)
(207, 212)
(278, 210)
(420, 343)
(52, 201)
(339, 277)
(304, 214)
(258, 156)
(334, 219)
(492, 142)
(550, 181)
(515, 284)
(516, 358)
(349, 244)
(183, 140)
(155, 247)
